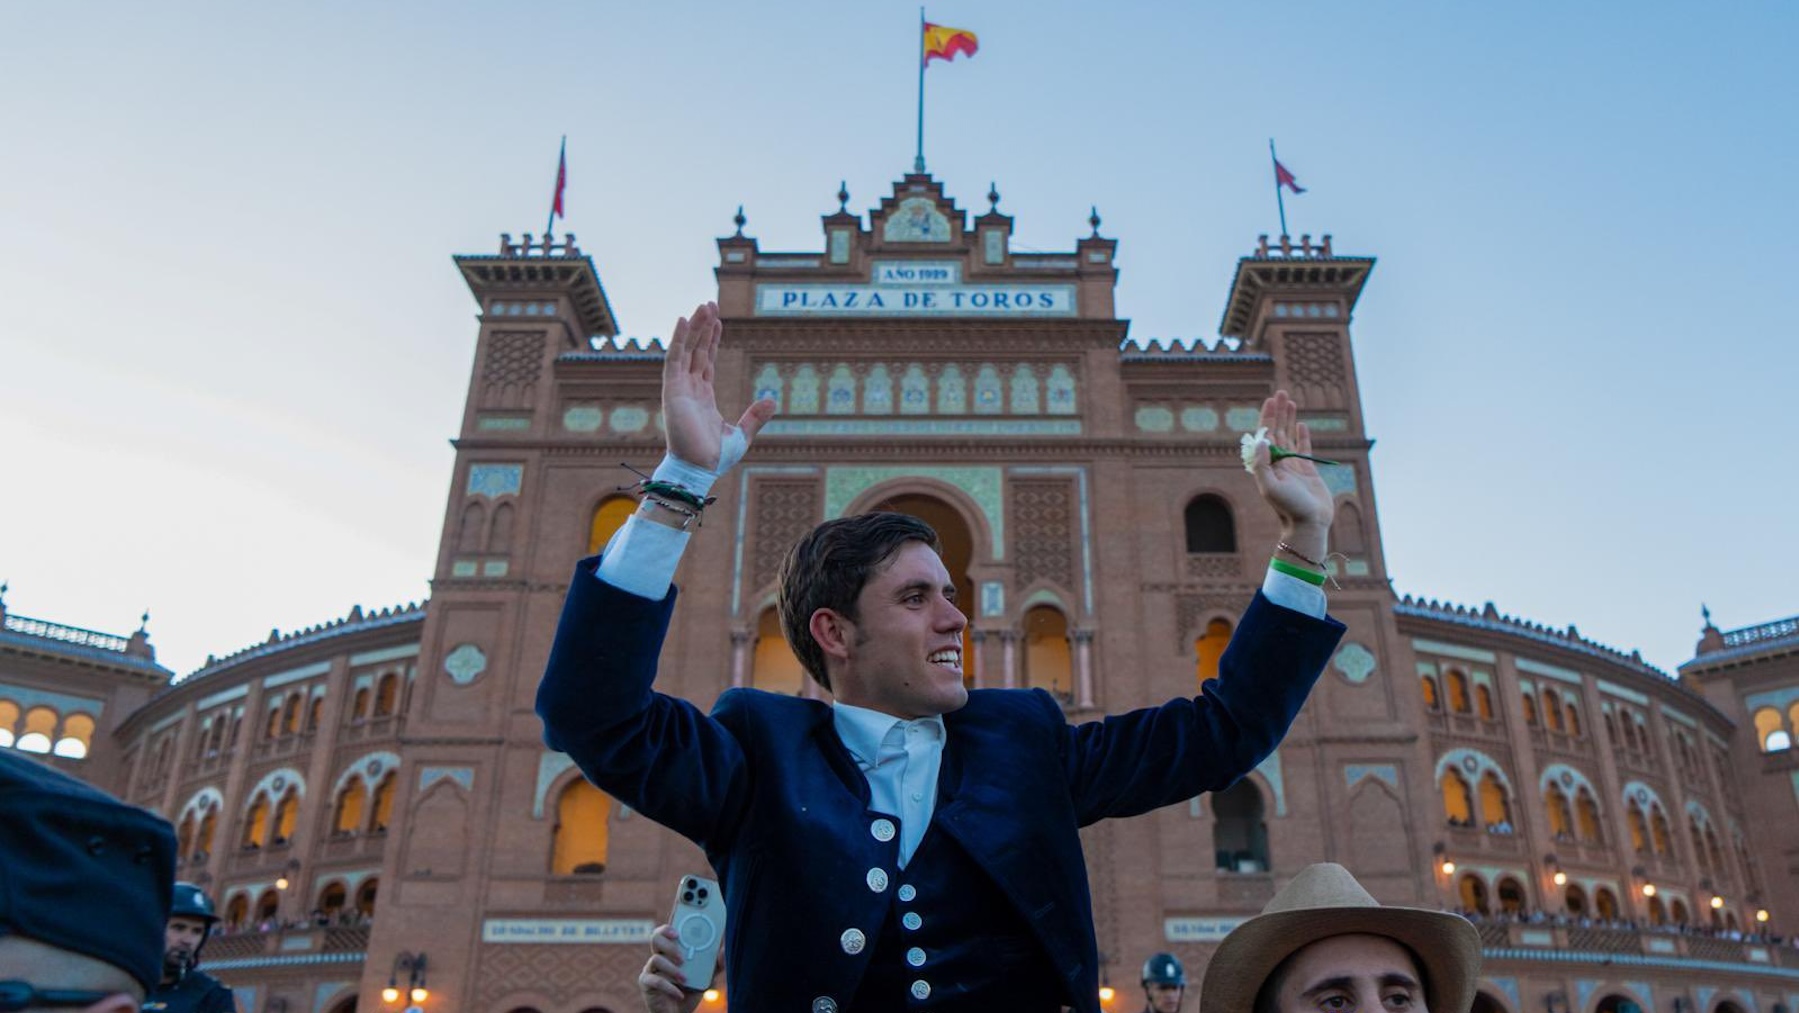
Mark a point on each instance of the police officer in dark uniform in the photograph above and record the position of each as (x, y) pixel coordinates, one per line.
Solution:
(1164, 983)
(185, 988)
(85, 883)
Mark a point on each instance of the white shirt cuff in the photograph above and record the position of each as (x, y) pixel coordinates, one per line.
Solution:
(642, 556)
(1291, 592)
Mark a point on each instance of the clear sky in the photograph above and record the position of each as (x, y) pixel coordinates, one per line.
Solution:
(233, 347)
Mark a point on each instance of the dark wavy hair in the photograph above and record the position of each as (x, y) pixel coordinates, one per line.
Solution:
(828, 568)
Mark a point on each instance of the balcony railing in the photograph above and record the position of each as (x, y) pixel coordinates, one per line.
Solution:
(1569, 939)
(248, 948)
(1467, 840)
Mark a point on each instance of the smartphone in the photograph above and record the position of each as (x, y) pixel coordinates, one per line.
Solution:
(699, 921)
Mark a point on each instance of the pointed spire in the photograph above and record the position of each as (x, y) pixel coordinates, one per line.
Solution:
(843, 197)
(143, 622)
(1093, 219)
(993, 197)
(739, 220)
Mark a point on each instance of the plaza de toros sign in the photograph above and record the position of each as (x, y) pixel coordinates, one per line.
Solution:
(915, 288)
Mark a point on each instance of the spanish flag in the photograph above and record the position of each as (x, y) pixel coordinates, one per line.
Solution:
(943, 43)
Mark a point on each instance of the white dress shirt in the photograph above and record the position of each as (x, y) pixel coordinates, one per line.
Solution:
(900, 759)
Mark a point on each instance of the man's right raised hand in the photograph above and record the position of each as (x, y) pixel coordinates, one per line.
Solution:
(697, 433)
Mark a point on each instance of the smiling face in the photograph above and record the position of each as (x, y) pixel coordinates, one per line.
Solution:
(1349, 974)
(901, 652)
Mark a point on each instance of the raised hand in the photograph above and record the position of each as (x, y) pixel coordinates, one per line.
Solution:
(696, 431)
(660, 980)
(1292, 486)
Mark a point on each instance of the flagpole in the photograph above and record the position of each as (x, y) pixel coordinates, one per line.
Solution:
(561, 166)
(1279, 200)
(918, 162)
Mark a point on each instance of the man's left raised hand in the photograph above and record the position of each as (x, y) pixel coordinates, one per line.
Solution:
(1291, 486)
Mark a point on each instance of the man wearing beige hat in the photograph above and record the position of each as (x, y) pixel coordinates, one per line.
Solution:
(1325, 945)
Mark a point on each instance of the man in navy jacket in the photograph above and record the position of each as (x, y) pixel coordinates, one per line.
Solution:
(912, 845)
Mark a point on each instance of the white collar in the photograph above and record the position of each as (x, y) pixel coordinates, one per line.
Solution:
(863, 730)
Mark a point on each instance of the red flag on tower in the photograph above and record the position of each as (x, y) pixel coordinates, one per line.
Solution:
(561, 181)
(1282, 177)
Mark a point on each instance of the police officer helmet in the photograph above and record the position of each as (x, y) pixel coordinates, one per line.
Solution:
(1164, 969)
(192, 902)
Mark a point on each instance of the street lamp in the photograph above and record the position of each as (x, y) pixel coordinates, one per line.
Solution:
(414, 966)
(282, 881)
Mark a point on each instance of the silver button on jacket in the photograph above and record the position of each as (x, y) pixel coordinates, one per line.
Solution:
(912, 921)
(907, 892)
(915, 957)
(853, 940)
(882, 829)
(824, 1004)
(877, 880)
(921, 989)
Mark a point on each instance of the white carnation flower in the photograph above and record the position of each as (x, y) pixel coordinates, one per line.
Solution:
(1250, 442)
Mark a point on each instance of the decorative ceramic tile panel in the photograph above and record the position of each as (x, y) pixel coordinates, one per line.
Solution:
(982, 485)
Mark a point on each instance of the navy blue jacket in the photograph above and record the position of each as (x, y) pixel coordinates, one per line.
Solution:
(765, 786)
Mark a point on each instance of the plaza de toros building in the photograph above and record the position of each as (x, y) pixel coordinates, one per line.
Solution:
(371, 800)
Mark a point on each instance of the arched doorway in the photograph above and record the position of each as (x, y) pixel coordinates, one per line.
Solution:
(1473, 890)
(958, 552)
(1240, 828)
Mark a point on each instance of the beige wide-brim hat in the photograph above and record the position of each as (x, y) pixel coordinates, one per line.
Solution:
(1324, 900)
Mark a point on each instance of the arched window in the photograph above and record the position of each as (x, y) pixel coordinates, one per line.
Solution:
(387, 694)
(1711, 848)
(1552, 710)
(1698, 840)
(316, 713)
(237, 725)
(256, 823)
(332, 898)
(237, 910)
(1208, 647)
(382, 810)
(1347, 533)
(1768, 732)
(40, 725)
(1573, 720)
(184, 837)
(272, 727)
(359, 709)
(1483, 702)
(216, 741)
(1495, 806)
(1611, 730)
(1639, 828)
(365, 897)
(1678, 910)
(267, 907)
(1210, 527)
(1473, 891)
(774, 667)
(582, 829)
(1530, 710)
(290, 714)
(77, 733)
(1240, 828)
(474, 519)
(1575, 899)
(1605, 904)
(9, 722)
(348, 817)
(1658, 826)
(1457, 686)
(1458, 801)
(287, 813)
(499, 537)
(1428, 687)
(1048, 655)
(209, 825)
(1561, 822)
(608, 517)
(1511, 896)
(1658, 912)
(1587, 812)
